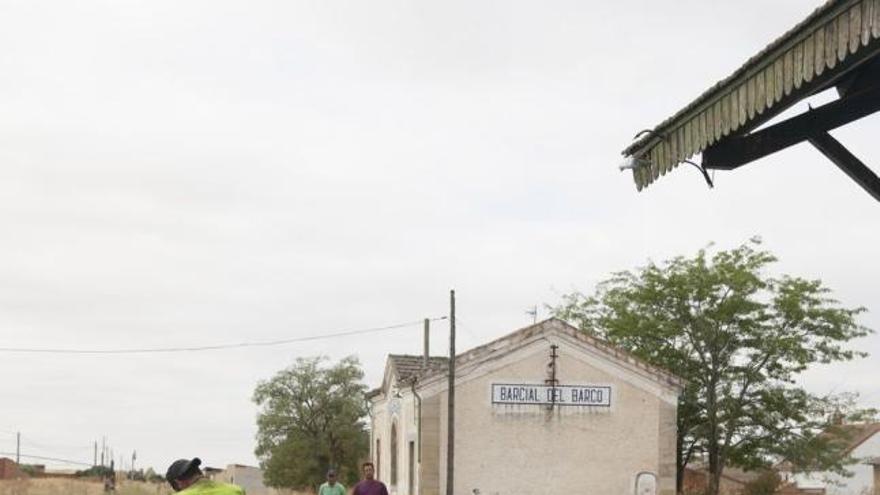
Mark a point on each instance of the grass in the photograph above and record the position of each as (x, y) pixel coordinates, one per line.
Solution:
(59, 486)
(44, 486)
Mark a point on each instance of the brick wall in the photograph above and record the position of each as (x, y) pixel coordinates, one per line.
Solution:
(9, 469)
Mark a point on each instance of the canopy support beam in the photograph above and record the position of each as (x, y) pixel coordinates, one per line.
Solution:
(736, 151)
(849, 163)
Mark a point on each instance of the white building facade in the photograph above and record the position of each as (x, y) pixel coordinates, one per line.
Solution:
(248, 477)
(545, 409)
(864, 447)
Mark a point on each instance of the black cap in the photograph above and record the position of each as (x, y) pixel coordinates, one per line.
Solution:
(182, 468)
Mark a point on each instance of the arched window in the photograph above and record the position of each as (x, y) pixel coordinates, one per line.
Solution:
(646, 483)
(394, 453)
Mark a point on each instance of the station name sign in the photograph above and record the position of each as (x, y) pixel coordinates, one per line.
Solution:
(561, 395)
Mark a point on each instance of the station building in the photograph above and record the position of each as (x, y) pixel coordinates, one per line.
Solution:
(545, 409)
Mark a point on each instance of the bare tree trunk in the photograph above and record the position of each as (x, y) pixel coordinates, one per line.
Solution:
(714, 475)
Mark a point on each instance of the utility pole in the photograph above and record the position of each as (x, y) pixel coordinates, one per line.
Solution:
(18, 447)
(95, 460)
(425, 355)
(450, 439)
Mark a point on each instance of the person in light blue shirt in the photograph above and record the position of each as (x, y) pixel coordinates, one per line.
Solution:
(331, 486)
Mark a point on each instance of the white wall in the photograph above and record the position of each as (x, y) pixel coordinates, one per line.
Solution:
(248, 477)
(862, 481)
(525, 450)
(403, 412)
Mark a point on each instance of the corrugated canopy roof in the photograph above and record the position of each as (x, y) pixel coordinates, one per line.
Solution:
(812, 56)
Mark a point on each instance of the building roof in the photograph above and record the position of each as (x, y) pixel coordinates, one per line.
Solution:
(408, 366)
(857, 434)
(812, 56)
(732, 473)
(601, 345)
(850, 435)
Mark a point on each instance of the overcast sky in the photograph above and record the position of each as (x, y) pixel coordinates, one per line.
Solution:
(207, 172)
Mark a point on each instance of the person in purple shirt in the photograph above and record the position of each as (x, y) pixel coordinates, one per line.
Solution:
(369, 485)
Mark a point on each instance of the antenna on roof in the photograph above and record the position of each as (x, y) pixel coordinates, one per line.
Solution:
(533, 313)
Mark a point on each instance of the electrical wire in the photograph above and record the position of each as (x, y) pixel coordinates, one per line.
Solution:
(703, 171)
(459, 323)
(44, 458)
(28, 441)
(215, 347)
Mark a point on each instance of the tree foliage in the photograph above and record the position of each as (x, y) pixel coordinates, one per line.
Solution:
(152, 476)
(311, 418)
(765, 484)
(95, 472)
(739, 337)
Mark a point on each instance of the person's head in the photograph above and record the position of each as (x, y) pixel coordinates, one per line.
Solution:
(183, 472)
(369, 470)
(331, 476)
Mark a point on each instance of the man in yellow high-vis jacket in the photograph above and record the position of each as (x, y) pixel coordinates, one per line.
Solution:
(186, 478)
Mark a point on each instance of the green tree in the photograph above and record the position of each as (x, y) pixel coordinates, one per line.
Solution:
(95, 472)
(739, 337)
(153, 477)
(311, 418)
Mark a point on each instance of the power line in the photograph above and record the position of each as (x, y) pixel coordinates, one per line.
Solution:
(31, 445)
(459, 323)
(29, 442)
(215, 347)
(28, 439)
(44, 458)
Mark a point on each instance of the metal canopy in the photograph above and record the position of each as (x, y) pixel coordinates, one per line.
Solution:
(838, 45)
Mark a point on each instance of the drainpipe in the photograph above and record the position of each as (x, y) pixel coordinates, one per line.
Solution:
(418, 419)
(369, 406)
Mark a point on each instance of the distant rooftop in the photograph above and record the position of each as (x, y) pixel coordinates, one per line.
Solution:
(409, 366)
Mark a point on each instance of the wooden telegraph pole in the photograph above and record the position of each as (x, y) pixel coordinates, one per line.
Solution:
(450, 439)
